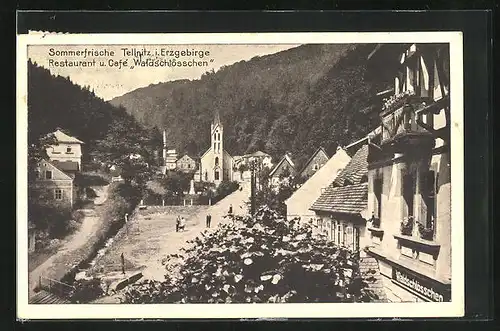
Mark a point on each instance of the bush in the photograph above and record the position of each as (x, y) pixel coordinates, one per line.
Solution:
(264, 259)
(86, 290)
(224, 189)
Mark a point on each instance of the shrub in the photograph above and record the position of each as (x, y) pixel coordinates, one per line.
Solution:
(86, 290)
(262, 259)
(224, 189)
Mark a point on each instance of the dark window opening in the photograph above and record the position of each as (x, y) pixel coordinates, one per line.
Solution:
(216, 175)
(356, 238)
(339, 233)
(217, 161)
(377, 190)
(48, 174)
(429, 197)
(408, 192)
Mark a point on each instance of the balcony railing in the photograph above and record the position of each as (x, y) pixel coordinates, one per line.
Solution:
(401, 121)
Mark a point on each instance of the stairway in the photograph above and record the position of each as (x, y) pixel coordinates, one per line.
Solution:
(44, 297)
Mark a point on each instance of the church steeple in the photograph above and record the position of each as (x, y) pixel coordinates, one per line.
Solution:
(216, 119)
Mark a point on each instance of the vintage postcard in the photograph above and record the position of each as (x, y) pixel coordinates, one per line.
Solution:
(286, 175)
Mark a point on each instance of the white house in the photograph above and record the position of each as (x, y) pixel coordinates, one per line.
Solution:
(66, 149)
(300, 201)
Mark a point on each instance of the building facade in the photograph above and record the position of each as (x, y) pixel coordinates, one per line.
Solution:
(409, 192)
(216, 164)
(55, 186)
(342, 208)
(66, 149)
(315, 162)
(186, 164)
(299, 203)
(282, 171)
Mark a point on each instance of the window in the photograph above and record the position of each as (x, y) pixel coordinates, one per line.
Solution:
(215, 146)
(218, 147)
(339, 234)
(58, 194)
(344, 234)
(216, 161)
(428, 193)
(68, 150)
(332, 231)
(48, 174)
(215, 137)
(218, 136)
(408, 192)
(216, 175)
(189, 165)
(377, 190)
(206, 176)
(37, 173)
(356, 238)
(413, 75)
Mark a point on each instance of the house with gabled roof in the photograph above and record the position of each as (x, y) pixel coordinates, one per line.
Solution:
(300, 201)
(186, 164)
(66, 149)
(283, 170)
(315, 162)
(342, 209)
(54, 185)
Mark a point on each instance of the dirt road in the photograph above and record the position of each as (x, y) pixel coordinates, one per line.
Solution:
(57, 265)
(151, 235)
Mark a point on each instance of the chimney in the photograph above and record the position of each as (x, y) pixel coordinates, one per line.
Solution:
(164, 148)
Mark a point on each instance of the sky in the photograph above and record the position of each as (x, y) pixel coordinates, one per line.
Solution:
(111, 80)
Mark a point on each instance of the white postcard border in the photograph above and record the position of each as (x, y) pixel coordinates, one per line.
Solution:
(455, 308)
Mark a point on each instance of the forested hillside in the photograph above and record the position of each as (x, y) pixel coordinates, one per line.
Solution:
(108, 132)
(295, 101)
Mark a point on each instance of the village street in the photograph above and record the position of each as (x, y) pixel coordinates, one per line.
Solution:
(57, 265)
(150, 236)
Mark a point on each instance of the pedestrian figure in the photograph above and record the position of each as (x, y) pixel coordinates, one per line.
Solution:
(123, 264)
(230, 209)
(182, 224)
(209, 220)
(177, 223)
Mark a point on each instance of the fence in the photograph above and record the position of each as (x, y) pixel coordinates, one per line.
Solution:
(53, 286)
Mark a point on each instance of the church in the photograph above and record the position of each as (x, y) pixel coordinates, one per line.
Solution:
(216, 164)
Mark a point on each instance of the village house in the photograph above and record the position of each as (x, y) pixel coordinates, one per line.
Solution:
(409, 173)
(66, 149)
(300, 201)
(171, 159)
(242, 164)
(216, 164)
(315, 162)
(186, 164)
(282, 171)
(342, 208)
(55, 186)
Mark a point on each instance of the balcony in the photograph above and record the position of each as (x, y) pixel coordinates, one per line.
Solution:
(400, 128)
